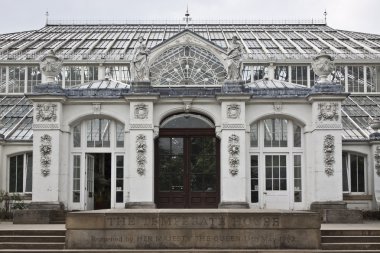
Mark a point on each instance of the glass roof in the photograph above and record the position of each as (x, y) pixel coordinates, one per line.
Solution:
(262, 41)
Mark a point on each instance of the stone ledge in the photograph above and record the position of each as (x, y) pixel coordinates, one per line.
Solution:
(196, 229)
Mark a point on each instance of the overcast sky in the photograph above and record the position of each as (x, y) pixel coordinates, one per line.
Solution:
(354, 15)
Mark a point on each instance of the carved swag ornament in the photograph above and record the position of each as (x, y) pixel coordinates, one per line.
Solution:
(329, 151)
(141, 153)
(328, 111)
(141, 111)
(45, 152)
(46, 112)
(377, 160)
(233, 111)
(234, 150)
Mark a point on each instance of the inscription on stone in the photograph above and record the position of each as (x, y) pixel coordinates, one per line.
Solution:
(184, 222)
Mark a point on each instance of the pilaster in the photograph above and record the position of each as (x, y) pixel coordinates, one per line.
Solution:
(325, 154)
(233, 192)
(141, 155)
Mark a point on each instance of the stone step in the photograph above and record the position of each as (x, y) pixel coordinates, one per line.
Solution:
(341, 239)
(24, 238)
(350, 246)
(31, 245)
(193, 251)
(350, 232)
(33, 232)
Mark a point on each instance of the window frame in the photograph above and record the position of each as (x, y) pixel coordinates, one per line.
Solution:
(24, 171)
(348, 171)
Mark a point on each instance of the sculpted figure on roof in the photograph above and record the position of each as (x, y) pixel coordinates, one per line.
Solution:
(234, 56)
(140, 65)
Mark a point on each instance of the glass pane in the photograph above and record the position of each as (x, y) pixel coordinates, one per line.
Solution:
(297, 136)
(29, 172)
(196, 182)
(164, 145)
(187, 121)
(209, 183)
(119, 197)
(354, 175)
(77, 136)
(361, 175)
(283, 184)
(20, 174)
(254, 135)
(12, 173)
(268, 184)
(345, 172)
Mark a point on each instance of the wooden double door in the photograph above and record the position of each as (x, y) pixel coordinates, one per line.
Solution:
(187, 173)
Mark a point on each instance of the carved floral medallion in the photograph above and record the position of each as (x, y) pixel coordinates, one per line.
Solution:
(45, 154)
(234, 151)
(328, 111)
(141, 111)
(233, 111)
(46, 112)
(141, 153)
(329, 154)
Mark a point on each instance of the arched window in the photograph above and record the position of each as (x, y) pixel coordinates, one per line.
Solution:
(99, 132)
(186, 120)
(20, 173)
(276, 149)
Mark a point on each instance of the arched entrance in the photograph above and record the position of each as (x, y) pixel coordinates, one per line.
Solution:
(187, 169)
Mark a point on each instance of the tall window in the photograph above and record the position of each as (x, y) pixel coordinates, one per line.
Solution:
(276, 148)
(119, 179)
(76, 178)
(354, 171)
(20, 173)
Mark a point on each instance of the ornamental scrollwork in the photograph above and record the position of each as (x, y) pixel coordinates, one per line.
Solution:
(328, 111)
(46, 112)
(377, 160)
(329, 154)
(234, 151)
(233, 111)
(45, 152)
(141, 153)
(141, 111)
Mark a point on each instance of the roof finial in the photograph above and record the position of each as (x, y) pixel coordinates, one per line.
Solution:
(325, 13)
(187, 17)
(47, 17)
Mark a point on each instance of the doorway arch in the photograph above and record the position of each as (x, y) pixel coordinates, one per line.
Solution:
(187, 168)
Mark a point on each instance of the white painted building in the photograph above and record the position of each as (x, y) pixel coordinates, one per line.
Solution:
(92, 138)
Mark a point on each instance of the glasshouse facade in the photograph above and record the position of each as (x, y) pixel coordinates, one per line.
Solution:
(200, 115)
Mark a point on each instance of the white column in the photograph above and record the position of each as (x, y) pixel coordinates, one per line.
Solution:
(233, 178)
(46, 186)
(141, 178)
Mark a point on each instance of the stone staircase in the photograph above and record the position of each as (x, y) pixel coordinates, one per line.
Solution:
(53, 241)
(350, 240)
(31, 240)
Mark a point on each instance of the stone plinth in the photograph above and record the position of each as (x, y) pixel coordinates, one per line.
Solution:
(38, 213)
(192, 229)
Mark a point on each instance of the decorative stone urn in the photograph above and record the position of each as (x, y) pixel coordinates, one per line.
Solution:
(375, 125)
(50, 66)
(323, 65)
